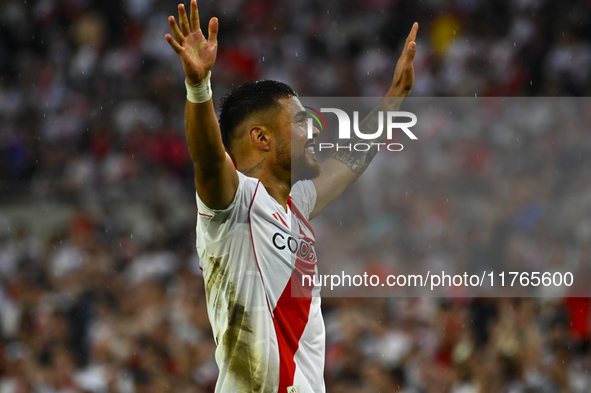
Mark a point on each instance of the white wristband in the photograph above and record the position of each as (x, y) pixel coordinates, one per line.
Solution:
(201, 92)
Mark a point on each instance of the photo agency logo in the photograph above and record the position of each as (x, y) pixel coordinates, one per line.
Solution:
(373, 137)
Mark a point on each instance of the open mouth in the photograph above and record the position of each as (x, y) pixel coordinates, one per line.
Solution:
(310, 148)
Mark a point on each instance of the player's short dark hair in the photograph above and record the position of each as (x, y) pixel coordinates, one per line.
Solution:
(247, 99)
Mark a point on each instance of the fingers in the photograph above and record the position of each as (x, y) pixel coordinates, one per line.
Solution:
(175, 45)
(410, 49)
(194, 16)
(413, 33)
(213, 28)
(183, 21)
(178, 36)
(184, 29)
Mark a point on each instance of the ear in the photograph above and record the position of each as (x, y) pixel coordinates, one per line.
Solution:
(260, 137)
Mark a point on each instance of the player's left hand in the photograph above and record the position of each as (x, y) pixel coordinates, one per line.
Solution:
(404, 75)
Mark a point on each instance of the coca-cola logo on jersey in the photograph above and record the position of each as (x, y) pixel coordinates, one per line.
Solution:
(300, 247)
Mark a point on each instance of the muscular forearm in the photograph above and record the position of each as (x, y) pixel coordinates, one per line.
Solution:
(216, 180)
(203, 136)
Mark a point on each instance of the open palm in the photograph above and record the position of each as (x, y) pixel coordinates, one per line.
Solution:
(197, 53)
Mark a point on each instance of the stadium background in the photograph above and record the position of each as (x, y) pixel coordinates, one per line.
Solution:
(100, 288)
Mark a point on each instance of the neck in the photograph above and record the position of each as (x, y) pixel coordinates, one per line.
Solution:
(278, 189)
(278, 185)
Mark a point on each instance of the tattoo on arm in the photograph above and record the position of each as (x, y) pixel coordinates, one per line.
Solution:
(358, 161)
(253, 169)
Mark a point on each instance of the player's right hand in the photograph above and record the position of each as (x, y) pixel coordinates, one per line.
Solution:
(197, 53)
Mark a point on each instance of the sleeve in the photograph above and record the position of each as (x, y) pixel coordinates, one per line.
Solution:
(303, 194)
(215, 224)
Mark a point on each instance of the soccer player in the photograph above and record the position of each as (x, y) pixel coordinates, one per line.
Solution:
(253, 235)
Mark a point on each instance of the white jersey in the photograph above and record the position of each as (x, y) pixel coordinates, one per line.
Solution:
(253, 255)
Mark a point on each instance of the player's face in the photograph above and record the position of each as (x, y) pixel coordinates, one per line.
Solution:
(293, 144)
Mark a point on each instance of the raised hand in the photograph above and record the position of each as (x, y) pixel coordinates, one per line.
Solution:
(404, 75)
(197, 53)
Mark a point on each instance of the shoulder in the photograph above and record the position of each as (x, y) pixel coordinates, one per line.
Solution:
(244, 193)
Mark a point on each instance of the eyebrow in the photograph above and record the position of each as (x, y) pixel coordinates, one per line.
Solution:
(299, 115)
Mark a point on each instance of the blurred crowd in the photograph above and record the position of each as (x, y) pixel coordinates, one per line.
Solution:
(91, 116)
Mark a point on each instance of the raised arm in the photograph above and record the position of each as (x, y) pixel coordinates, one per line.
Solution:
(342, 168)
(216, 179)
